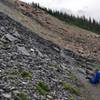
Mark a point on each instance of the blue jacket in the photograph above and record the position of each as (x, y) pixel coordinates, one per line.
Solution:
(95, 78)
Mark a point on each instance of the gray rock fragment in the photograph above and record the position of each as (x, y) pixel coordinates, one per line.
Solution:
(6, 95)
(1, 91)
(64, 98)
(16, 34)
(24, 83)
(2, 86)
(82, 71)
(56, 48)
(37, 52)
(23, 50)
(10, 37)
(32, 50)
(49, 97)
(2, 28)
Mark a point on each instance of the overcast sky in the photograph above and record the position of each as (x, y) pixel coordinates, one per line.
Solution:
(78, 7)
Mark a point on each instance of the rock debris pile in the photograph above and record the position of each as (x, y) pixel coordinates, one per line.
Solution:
(32, 68)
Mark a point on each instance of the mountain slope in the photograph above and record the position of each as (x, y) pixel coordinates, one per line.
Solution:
(32, 66)
(82, 42)
(26, 60)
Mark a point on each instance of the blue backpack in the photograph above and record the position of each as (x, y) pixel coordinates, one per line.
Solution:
(95, 78)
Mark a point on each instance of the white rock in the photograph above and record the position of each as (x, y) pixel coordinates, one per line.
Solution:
(81, 70)
(32, 50)
(7, 95)
(23, 50)
(24, 83)
(49, 97)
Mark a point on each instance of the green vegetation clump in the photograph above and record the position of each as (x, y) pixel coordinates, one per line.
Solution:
(53, 65)
(21, 96)
(26, 74)
(11, 71)
(72, 89)
(14, 72)
(70, 98)
(97, 66)
(42, 88)
(23, 74)
(72, 76)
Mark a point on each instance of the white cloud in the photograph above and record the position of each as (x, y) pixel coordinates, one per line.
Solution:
(78, 7)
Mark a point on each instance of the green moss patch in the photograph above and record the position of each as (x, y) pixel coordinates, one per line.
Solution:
(70, 98)
(72, 89)
(42, 88)
(26, 74)
(21, 96)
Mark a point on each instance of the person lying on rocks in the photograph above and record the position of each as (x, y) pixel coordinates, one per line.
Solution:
(94, 77)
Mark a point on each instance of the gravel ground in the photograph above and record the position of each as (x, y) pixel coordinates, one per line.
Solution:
(32, 68)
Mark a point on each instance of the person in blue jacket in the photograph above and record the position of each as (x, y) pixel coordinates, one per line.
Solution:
(95, 78)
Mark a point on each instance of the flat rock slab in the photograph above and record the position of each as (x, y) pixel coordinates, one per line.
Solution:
(23, 50)
(82, 71)
(7, 95)
(16, 34)
(10, 37)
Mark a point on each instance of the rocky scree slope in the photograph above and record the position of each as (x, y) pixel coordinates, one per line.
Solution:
(32, 68)
(76, 39)
(82, 42)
